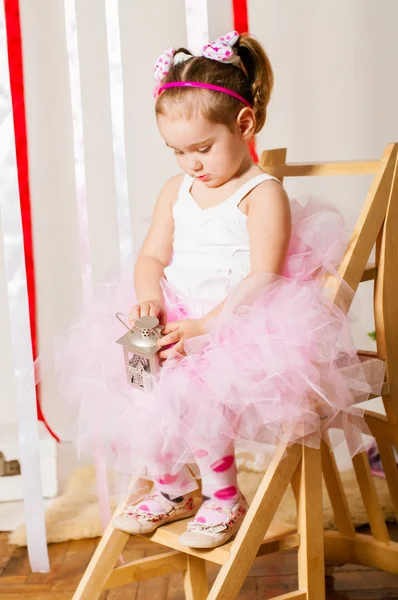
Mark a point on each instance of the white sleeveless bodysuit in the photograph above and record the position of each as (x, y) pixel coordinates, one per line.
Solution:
(211, 252)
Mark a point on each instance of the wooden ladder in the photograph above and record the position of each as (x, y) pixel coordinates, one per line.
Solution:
(298, 465)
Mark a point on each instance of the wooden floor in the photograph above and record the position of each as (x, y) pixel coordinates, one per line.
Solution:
(270, 576)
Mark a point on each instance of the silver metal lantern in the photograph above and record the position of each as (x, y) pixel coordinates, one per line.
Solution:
(140, 350)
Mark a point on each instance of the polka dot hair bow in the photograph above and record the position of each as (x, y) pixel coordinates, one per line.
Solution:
(163, 64)
(222, 49)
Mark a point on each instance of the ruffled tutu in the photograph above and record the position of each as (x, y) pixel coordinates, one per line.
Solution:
(278, 363)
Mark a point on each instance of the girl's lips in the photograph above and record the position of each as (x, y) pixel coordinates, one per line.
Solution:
(204, 177)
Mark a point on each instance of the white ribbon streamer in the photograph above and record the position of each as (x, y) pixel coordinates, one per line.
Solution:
(12, 239)
(74, 80)
(117, 110)
(197, 25)
(123, 211)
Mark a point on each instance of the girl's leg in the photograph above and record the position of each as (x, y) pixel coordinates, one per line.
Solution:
(174, 487)
(224, 507)
(219, 480)
(171, 500)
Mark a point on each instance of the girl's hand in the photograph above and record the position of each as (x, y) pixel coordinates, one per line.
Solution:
(176, 332)
(149, 308)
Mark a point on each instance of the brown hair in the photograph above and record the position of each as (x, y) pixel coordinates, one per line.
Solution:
(253, 80)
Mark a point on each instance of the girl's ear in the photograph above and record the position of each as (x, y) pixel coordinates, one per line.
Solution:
(246, 123)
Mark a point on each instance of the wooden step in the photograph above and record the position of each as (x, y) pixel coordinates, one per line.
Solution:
(280, 536)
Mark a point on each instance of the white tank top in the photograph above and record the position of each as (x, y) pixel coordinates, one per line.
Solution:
(211, 252)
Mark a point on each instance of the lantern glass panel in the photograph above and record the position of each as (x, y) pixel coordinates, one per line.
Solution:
(138, 366)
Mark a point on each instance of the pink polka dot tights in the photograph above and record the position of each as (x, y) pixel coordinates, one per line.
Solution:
(219, 482)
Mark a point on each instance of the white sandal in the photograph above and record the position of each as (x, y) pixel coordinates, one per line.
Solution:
(203, 535)
(134, 520)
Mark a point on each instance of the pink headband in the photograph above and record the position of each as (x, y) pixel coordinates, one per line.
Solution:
(205, 86)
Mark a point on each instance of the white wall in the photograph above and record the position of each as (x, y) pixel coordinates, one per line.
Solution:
(335, 98)
(335, 95)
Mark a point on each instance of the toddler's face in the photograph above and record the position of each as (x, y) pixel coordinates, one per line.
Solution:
(208, 151)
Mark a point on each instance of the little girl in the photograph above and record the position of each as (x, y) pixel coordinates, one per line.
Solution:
(233, 271)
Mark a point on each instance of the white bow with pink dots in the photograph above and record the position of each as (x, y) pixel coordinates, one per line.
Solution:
(221, 50)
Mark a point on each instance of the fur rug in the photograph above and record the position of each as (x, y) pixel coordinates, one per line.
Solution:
(75, 514)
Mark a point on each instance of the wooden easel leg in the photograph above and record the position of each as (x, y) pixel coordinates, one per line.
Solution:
(255, 525)
(105, 556)
(311, 561)
(195, 579)
(370, 498)
(336, 492)
(391, 471)
(101, 565)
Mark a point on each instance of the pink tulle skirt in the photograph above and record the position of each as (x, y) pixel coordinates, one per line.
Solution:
(278, 363)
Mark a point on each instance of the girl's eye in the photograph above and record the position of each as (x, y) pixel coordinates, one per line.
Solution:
(205, 150)
(177, 153)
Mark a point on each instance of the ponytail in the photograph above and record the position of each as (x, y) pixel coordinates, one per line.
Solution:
(258, 69)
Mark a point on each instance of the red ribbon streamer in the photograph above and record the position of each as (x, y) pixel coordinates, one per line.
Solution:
(15, 62)
(241, 20)
(241, 24)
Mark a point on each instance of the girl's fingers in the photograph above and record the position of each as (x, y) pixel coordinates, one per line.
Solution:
(135, 311)
(179, 348)
(163, 354)
(145, 310)
(153, 310)
(162, 316)
(175, 350)
(134, 314)
(172, 326)
(170, 338)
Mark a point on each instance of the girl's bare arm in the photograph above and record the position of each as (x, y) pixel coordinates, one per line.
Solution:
(155, 253)
(269, 226)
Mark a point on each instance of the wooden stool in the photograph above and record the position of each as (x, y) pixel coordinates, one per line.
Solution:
(298, 465)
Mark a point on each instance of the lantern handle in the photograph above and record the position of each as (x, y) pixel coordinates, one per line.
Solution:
(119, 316)
(156, 330)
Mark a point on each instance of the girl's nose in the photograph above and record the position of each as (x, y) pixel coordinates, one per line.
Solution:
(195, 165)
